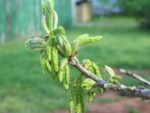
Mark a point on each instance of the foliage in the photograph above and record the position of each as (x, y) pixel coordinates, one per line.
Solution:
(139, 8)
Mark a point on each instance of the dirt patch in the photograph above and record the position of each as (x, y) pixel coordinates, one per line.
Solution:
(122, 105)
(111, 103)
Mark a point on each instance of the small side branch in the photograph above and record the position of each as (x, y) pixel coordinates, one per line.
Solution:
(124, 90)
(135, 76)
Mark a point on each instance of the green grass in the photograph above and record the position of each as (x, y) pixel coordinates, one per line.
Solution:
(23, 87)
(123, 44)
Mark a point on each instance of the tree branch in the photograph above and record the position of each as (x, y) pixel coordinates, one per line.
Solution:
(122, 89)
(135, 76)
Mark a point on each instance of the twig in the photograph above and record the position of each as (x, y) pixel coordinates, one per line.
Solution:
(124, 90)
(135, 76)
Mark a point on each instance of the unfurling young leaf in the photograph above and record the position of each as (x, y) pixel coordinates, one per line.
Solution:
(37, 44)
(86, 39)
(83, 40)
(59, 40)
(113, 77)
(89, 40)
(75, 45)
(110, 71)
(66, 47)
(55, 20)
(48, 10)
(62, 41)
(44, 24)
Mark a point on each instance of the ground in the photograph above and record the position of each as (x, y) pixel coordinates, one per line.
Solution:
(110, 102)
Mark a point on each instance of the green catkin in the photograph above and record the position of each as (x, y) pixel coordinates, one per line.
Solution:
(66, 80)
(91, 66)
(96, 69)
(48, 66)
(82, 98)
(67, 71)
(78, 103)
(54, 54)
(61, 72)
(91, 95)
(80, 107)
(61, 75)
(45, 63)
(72, 98)
(48, 51)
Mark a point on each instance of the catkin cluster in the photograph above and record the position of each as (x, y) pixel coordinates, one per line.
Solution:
(57, 67)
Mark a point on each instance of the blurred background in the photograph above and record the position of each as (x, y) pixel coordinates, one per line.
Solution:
(125, 26)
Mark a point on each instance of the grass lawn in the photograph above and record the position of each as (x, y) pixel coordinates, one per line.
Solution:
(23, 87)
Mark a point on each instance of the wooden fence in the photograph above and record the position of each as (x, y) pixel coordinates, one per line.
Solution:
(22, 18)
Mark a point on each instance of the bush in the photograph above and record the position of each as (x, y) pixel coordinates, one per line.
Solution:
(138, 8)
